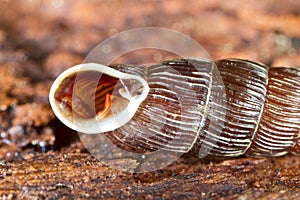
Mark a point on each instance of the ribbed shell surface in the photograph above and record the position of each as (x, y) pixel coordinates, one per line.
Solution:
(279, 128)
(245, 86)
(172, 115)
(246, 107)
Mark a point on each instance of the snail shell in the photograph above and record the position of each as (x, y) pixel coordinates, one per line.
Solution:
(217, 110)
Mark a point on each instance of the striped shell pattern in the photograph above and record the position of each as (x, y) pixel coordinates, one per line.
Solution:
(220, 109)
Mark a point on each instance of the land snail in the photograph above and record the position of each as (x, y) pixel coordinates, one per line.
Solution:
(247, 108)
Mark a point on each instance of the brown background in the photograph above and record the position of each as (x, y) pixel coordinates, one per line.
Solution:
(41, 158)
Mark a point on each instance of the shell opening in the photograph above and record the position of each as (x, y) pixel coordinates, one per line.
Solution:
(93, 98)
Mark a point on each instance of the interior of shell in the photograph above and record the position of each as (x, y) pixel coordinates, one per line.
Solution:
(93, 98)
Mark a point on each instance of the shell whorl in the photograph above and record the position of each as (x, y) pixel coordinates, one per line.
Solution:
(216, 109)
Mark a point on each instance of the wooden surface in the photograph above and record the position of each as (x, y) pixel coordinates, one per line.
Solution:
(72, 174)
(41, 158)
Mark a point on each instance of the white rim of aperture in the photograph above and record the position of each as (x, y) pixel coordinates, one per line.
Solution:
(90, 126)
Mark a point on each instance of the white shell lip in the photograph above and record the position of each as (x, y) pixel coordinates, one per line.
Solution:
(93, 126)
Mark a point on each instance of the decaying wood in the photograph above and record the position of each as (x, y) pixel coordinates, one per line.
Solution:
(73, 174)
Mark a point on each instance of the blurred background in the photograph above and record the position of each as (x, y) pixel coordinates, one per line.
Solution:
(40, 39)
(54, 32)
